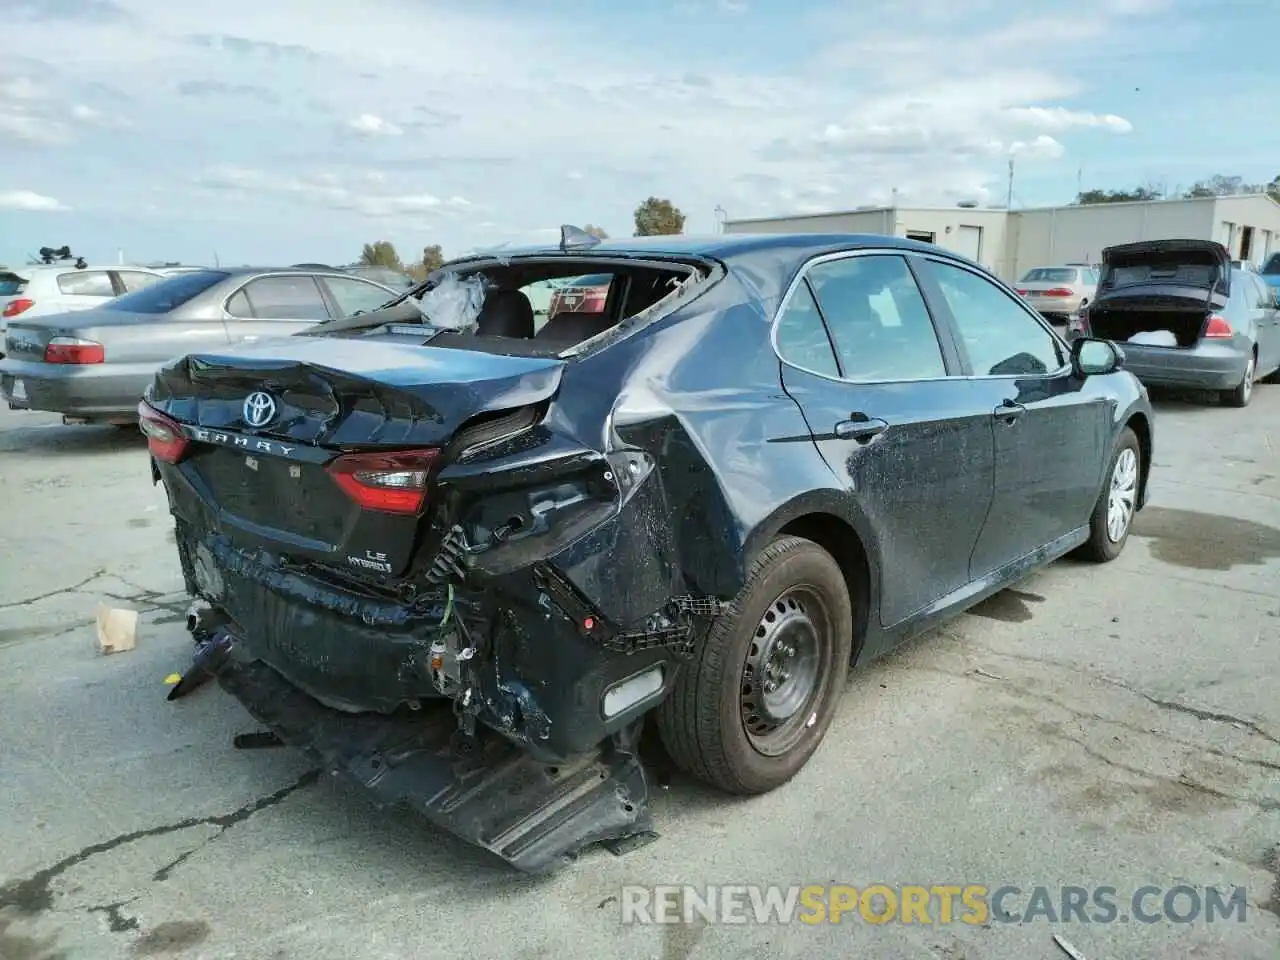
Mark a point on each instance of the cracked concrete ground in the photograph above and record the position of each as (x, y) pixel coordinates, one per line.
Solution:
(1108, 726)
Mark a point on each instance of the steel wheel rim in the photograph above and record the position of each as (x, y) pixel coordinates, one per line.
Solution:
(789, 654)
(1122, 494)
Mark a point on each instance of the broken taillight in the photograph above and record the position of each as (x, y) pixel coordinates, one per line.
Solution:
(1218, 327)
(74, 350)
(165, 438)
(386, 482)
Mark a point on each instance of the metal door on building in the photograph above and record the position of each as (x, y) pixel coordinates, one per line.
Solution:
(969, 242)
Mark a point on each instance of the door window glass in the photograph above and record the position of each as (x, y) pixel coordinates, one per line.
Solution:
(999, 335)
(802, 339)
(86, 283)
(286, 298)
(878, 319)
(353, 295)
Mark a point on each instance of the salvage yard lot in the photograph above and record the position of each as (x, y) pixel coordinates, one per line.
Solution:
(1113, 725)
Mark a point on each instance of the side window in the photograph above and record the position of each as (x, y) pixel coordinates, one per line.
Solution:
(238, 306)
(353, 296)
(134, 280)
(286, 298)
(1265, 298)
(1001, 338)
(878, 319)
(86, 283)
(802, 338)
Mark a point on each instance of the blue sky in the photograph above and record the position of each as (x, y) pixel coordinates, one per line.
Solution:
(287, 131)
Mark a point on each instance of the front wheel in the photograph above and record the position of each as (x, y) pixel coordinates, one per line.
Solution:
(762, 688)
(1113, 513)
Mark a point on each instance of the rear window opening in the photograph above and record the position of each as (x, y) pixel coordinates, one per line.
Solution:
(1050, 275)
(527, 307)
(11, 284)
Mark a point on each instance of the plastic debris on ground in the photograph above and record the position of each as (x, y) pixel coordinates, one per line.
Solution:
(117, 629)
(1155, 338)
(454, 303)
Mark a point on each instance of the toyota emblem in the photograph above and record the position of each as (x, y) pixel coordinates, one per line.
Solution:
(259, 409)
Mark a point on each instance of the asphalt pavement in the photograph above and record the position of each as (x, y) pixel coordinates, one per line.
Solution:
(1100, 726)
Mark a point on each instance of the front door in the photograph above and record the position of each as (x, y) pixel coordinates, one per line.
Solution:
(911, 442)
(1051, 428)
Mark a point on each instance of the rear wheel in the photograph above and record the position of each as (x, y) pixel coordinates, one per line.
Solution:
(1113, 513)
(759, 695)
(1241, 395)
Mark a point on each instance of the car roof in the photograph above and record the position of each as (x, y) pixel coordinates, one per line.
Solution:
(786, 253)
(70, 267)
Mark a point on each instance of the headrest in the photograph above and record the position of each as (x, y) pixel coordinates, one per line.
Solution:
(506, 313)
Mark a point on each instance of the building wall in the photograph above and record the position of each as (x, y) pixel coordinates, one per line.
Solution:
(1232, 218)
(944, 225)
(1039, 238)
(879, 221)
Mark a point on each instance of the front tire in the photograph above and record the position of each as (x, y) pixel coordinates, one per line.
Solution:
(747, 713)
(1113, 513)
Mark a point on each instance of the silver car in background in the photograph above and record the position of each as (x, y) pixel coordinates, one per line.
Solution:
(1058, 293)
(93, 365)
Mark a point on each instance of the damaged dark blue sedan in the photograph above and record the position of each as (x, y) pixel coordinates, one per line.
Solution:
(462, 555)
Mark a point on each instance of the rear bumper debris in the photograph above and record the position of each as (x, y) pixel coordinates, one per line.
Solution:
(532, 815)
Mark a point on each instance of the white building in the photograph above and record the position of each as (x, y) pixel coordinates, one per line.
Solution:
(1010, 242)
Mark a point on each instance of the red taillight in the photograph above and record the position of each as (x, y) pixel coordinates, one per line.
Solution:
(386, 482)
(1217, 327)
(74, 350)
(165, 438)
(15, 307)
(1056, 292)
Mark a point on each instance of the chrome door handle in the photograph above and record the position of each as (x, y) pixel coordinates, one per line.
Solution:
(860, 430)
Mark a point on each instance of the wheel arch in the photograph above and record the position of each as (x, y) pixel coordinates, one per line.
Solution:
(823, 517)
(1141, 427)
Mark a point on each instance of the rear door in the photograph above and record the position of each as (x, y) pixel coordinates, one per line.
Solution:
(910, 440)
(1265, 319)
(275, 306)
(1050, 433)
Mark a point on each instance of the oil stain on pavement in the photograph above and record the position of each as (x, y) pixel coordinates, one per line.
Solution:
(1010, 606)
(1205, 541)
(171, 937)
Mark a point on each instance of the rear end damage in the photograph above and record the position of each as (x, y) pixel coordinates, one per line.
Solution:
(475, 625)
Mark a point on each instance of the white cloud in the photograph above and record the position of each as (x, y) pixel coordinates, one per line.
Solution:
(932, 105)
(29, 201)
(1043, 146)
(1060, 118)
(374, 126)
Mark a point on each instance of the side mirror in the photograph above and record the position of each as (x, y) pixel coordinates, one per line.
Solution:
(1091, 357)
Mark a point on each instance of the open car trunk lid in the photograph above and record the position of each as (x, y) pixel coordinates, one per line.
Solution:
(272, 426)
(1161, 292)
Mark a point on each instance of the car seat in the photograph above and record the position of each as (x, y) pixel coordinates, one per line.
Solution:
(506, 313)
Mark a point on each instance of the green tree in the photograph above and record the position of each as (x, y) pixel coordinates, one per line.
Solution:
(432, 259)
(655, 217)
(1117, 196)
(381, 253)
(595, 231)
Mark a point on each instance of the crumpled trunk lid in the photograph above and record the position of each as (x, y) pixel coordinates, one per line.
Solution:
(261, 467)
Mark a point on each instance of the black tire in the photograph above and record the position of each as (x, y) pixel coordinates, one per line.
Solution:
(1100, 547)
(1242, 394)
(703, 722)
